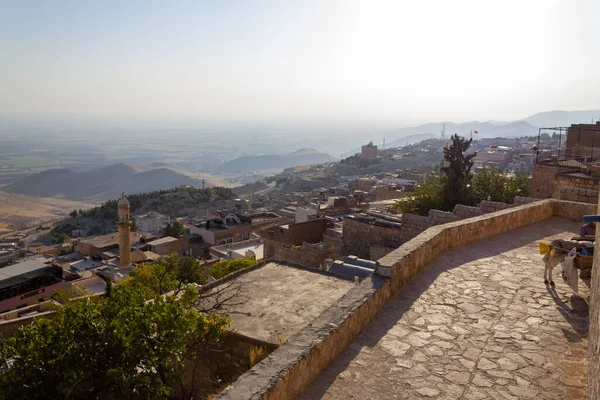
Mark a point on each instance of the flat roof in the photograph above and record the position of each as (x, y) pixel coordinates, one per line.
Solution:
(22, 268)
(108, 240)
(279, 300)
(166, 239)
(240, 248)
(85, 264)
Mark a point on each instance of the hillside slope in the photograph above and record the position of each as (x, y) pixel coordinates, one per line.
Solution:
(100, 184)
(275, 161)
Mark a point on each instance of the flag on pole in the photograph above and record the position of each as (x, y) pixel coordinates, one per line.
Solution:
(476, 132)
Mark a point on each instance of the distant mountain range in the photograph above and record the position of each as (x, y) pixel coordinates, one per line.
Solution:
(527, 127)
(100, 184)
(303, 156)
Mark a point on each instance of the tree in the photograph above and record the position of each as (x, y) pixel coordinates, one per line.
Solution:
(488, 184)
(121, 346)
(457, 168)
(495, 185)
(428, 194)
(176, 229)
(73, 214)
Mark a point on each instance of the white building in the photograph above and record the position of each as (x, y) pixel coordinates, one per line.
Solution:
(152, 222)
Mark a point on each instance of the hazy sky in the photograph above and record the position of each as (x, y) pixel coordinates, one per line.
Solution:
(398, 61)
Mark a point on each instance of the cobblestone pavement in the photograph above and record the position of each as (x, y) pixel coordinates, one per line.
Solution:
(478, 323)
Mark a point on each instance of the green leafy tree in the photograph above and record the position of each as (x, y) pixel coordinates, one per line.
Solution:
(428, 194)
(175, 273)
(172, 273)
(175, 229)
(121, 346)
(495, 185)
(226, 267)
(489, 184)
(457, 168)
(73, 214)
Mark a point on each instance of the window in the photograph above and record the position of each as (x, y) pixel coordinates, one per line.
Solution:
(238, 237)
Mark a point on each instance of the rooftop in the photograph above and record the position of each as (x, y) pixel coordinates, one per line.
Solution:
(22, 268)
(279, 300)
(240, 248)
(108, 240)
(165, 240)
(476, 323)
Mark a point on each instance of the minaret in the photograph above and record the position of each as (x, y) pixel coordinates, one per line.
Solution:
(124, 239)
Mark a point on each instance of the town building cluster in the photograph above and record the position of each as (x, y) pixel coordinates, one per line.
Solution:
(338, 244)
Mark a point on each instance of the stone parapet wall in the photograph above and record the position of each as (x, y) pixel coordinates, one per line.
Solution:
(519, 201)
(412, 225)
(438, 217)
(573, 211)
(493, 206)
(462, 211)
(594, 327)
(287, 371)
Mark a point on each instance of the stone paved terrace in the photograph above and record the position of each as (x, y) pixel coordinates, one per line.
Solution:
(477, 323)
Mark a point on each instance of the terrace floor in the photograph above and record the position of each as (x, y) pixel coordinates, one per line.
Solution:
(477, 323)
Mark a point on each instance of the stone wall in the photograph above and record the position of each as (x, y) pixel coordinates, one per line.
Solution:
(573, 211)
(462, 211)
(378, 251)
(594, 328)
(563, 183)
(543, 179)
(437, 217)
(519, 201)
(578, 194)
(412, 225)
(307, 255)
(358, 236)
(224, 362)
(287, 371)
(493, 206)
(296, 234)
(388, 193)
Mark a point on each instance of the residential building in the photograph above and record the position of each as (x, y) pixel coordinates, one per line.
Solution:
(28, 282)
(368, 152)
(152, 222)
(95, 246)
(583, 140)
(223, 229)
(164, 246)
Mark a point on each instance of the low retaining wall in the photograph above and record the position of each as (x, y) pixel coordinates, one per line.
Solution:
(287, 371)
